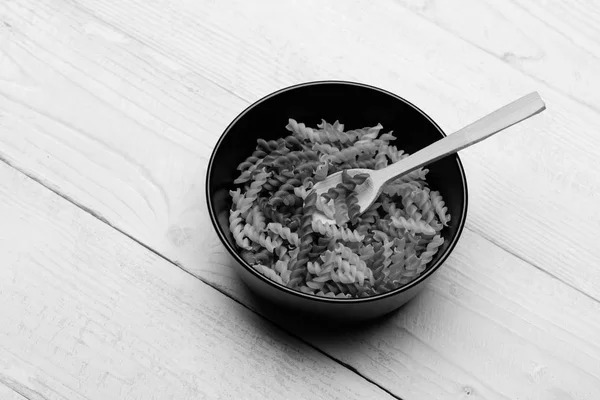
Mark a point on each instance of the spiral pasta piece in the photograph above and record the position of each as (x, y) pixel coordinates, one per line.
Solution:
(353, 208)
(385, 225)
(319, 247)
(336, 126)
(299, 268)
(236, 227)
(285, 194)
(368, 133)
(397, 188)
(336, 232)
(268, 272)
(249, 169)
(347, 185)
(380, 161)
(351, 153)
(294, 157)
(356, 266)
(282, 268)
(440, 209)
(363, 164)
(291, 142)
(260, 238)
(266, 146)
(302, 131)
(258, 219)
(236, 197)
(322, 171)
(412, 225)
(328, 134)
(257, 257)
(326, 207)
(275, 181)
(256, 157)
(412, 269)
(321, 274)
(396, 268)
(325, 148)
(431, 250)
(368, 218)
(423, 201)
(340, 207)
(252, 193)
(284, 232)
(377, 266)
(393, 153)
(267, 162)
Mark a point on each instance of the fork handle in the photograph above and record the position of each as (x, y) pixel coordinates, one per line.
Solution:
(512, 113)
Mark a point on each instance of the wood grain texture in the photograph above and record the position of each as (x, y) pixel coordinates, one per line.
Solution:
(175, 90)
(7, 393)
(116, 108)
(519, 180)
(90, 314)
(487, 327)
(553, 42)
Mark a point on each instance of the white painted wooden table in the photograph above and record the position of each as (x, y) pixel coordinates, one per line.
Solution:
(113, 284)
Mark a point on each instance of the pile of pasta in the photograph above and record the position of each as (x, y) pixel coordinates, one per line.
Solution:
(271, 217)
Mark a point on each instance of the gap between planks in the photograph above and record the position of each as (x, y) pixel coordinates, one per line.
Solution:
(99, 216)
(31, 395)
(14, 391)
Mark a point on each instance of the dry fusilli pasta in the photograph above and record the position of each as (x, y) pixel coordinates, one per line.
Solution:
(271, 218)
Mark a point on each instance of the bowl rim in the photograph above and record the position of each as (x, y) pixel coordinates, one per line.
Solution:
(312, 297)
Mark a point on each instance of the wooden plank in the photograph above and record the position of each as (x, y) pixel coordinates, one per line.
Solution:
(157, 88)
(88, 313)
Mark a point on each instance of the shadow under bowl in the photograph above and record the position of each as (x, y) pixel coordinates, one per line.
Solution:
(355, 105)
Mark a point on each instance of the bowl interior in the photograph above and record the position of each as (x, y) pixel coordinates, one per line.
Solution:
(354, 105)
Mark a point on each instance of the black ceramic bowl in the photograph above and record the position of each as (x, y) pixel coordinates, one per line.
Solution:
(356, 106)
